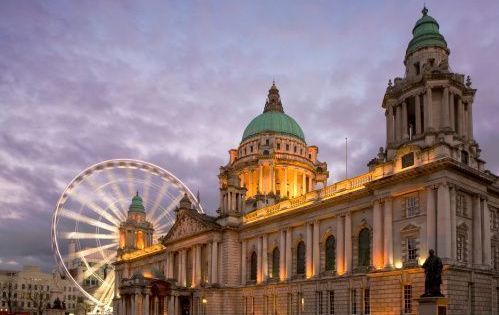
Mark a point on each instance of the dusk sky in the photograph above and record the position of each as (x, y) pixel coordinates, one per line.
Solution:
(176, 83)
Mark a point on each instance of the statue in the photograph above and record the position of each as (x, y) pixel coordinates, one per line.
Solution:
(433, 275)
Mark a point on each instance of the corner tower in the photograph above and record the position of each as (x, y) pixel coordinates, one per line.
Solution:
(431, 105)
(136, 232)
(273, 161)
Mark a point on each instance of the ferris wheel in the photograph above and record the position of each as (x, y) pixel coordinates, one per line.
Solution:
(88, 214)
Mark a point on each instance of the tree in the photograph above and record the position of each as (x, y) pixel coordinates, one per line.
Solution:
(10, 295)
(39, 300)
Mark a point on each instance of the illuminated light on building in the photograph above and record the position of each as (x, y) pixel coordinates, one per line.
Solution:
(398, 264)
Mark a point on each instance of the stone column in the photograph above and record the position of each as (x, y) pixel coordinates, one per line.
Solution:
(470, 121)
(388, 235)
(214, 261)
(348, 243)
(289, 235)
(295, 183)
(398, 123)
(431, 218)
(477, 231)
(487, 235)
(389, 124)
(377, 235)
(315, 249)
(444, 224)
(210, 262)
(260, 179)
(310, 183)
(198, 265)
(133, 305)
(453, 224)
(243, 262)
(451, 111)
(405, 134)
(156, 305)
(251, 191)
(282, 256)
(445, 119)
(285, 181)
(304, 183)
(417, 109)
(460, 116)
(146, 303)
(259, 261)
(308, 251)
(340, 245)
(265, 264)
(271, 179)
(429, 108)
(194, 267)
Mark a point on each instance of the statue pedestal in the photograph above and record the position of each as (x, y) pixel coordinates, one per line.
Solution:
(434, 305)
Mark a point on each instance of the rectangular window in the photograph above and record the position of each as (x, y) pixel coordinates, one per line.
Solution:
(278, 146)
(318, 302)
(412, 250)
(461, 204)
(367, 302)
(353, 301)
(331, 302)
(408, 160)
(464, 157)
(407, 299)
(460, 241)
(251, 149)
(287, 147)
(412, 206)
(267, 141)
(295, 148)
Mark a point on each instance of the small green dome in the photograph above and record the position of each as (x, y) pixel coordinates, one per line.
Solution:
(136, 205)
(426, 34)
(274, 121)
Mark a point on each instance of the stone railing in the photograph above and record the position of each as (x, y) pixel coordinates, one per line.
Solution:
(333, 190)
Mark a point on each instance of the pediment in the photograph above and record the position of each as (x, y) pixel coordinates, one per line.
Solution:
(409, 228)
(188, 224)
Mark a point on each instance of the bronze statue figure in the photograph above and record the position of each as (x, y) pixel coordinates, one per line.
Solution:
(433, 275)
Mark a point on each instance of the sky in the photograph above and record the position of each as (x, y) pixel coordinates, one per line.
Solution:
(175, 84)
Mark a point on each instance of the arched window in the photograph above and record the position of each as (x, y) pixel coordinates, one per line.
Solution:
(364, 247)
(300, 258)
(276, 255)
(330, 253)
(253, 263)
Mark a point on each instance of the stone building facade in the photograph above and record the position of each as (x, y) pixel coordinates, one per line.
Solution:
(285, 242)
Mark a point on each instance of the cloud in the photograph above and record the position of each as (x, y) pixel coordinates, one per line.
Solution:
(176, 84)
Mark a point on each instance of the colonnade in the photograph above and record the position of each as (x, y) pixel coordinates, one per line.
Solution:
(268, 178)
(198, 275)
(441, 208)
(142, 302)
(430, 115)
(312, 241)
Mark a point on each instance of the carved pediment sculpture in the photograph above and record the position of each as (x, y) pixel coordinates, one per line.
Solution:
(185, 226)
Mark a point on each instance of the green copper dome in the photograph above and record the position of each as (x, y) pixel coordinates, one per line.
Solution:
(273, 119)
(274, 122)
(426, 34)
(136, 205)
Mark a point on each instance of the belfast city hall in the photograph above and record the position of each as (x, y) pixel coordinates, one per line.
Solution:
(285, 241)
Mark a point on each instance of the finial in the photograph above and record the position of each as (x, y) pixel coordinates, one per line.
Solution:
(425, 10)
(390, 83)
(137, 193)
(468, 81)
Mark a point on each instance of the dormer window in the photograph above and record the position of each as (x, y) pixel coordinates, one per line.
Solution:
(416, 68)
(267, 142)
(251, 148)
